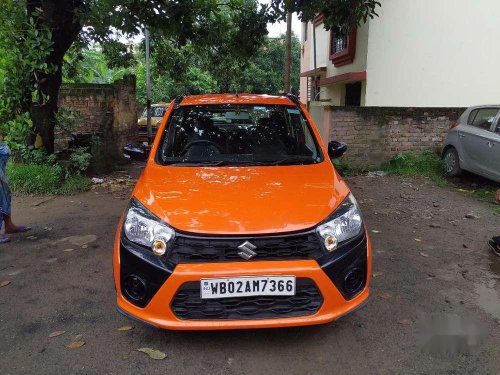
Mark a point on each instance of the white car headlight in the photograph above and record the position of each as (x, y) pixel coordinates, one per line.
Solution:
(143, 228)
(345, 223)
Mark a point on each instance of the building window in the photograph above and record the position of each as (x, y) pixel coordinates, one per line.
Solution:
(342, 47)
(306, 25)
(339, 42)
(353, 94)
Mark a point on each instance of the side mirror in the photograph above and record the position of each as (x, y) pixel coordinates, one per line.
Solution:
(336, 149)
(136, 151)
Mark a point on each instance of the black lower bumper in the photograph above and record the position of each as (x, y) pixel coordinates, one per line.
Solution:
(142, 274)
(347, 267)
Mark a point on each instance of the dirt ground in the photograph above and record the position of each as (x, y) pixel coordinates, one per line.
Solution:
(430, 262)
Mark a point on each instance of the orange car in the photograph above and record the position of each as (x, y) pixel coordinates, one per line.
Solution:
(239, 220)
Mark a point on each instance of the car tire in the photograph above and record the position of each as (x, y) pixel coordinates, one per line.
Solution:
(451, 162)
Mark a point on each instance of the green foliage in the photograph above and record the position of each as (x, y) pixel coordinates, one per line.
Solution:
(90, 65)
(24, 47)
(18, 130)
(264, 74)
(79, 161)
(343, 167)
(74, 184)
(34, 178)
(44, 179)
(426, 164)
(337, 13)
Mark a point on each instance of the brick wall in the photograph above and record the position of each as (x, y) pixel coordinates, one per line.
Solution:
(108, 111)
(375, 134)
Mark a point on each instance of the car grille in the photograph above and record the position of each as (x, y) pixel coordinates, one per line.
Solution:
(190, 249)
(188, 305)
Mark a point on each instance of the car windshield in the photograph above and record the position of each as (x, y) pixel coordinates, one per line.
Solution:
(155, 112)
(238, 135)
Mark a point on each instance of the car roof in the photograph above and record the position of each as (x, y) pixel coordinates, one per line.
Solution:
(211, 99)
(483, 106)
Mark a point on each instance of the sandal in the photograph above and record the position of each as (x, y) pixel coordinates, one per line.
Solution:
(494, 244)
(19, 229)
(4, 239)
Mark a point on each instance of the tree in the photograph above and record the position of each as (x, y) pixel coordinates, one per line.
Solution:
(342, 14)
(265, 72)
(182, 21)
(63, 22)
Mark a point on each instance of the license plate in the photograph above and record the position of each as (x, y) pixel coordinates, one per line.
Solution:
(248, 286)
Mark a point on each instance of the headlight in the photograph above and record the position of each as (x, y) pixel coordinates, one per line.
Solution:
(345, 223)
(143, 228)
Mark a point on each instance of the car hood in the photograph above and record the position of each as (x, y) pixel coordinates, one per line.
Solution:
(241, 200)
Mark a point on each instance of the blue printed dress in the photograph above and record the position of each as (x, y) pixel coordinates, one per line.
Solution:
(5, 193)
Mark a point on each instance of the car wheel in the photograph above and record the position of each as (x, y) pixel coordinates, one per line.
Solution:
(451, 162)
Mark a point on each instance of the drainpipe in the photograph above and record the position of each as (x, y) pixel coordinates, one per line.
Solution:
(148, 90)
(315, 61)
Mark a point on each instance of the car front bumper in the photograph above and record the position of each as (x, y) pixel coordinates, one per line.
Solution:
(158, 311)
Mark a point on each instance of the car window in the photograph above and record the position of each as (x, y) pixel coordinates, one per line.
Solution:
(155, 112)
(238, 135)
(483, 118)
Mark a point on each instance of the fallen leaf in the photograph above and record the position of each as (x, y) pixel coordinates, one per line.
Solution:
(52, 260)
(78, 337)
(418, 240)
(125, 328)
(85, 246)
(376, 231)
(57, 333)
(75, 344)
(386, 296)
(154, 354)
(424, 255)
(465, 246)
(377, 274)
(32, 238)
(68, 250)
(404, 322)
(4, 283)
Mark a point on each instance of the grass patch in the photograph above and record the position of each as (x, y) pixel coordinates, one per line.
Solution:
(346, 169)
(427, 164)
(483, 194)
(44, 179)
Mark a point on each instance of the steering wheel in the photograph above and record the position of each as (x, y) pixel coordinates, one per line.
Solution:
(202, 142)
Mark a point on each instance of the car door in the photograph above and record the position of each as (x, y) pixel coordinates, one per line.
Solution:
(494, 146)
(475, 139)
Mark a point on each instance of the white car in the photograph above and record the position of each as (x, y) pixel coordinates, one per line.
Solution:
(473, 143)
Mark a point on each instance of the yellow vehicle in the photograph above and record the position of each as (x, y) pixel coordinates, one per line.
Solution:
(157, 112)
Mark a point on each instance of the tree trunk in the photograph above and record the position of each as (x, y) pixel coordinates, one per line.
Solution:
(61, 18)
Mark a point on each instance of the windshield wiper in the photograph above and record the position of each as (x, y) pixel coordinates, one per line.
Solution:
(294, 160)
(217, 163)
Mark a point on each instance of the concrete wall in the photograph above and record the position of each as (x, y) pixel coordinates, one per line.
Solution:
(108, 111)
(430, 53)
(375, 134)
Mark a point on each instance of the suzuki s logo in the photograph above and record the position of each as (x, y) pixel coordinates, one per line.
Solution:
(247, 250)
